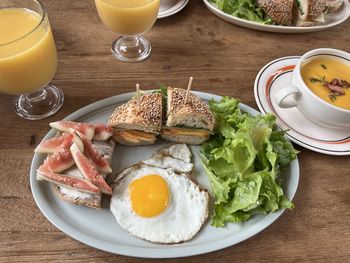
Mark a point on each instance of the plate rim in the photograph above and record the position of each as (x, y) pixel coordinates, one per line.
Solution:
(164, 252)
(181, 5)
(275, 28)
(263, 110)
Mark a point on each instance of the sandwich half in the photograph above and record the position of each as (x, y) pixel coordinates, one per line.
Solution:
(190, 121)
(309, 12)
(280, 11)
(134, 125)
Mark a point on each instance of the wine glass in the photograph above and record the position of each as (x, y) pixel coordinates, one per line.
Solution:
(28, 59)
(129, 18)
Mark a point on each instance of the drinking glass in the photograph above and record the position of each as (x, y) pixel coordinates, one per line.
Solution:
(129, 18)
(28, 59)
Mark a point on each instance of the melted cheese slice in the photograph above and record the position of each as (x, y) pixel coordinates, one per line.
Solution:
(135, 136)
(186, 132)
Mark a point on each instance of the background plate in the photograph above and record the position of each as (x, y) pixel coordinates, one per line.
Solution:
(99, 229)
(171, 7)
(332, 20)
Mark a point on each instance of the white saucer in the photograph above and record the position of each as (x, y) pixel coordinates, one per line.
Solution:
(302, 131)
(171, 7)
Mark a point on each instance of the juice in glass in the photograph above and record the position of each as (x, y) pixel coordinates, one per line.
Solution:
(31, 62)
(129, 18)
(28, 58)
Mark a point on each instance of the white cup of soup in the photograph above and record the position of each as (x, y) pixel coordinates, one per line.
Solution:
(320, 88)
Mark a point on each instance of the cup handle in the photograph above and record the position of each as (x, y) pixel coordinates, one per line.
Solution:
(285, 92)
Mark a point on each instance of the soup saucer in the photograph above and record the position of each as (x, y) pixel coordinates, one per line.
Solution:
(171, 7)
(302, 131)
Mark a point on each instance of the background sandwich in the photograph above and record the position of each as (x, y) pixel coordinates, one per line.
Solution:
(309, 12)
(280, 11)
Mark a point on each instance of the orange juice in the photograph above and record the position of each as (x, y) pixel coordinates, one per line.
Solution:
(128, 17)
(28, 58)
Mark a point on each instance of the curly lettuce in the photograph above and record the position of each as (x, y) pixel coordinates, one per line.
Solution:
(243, 160)
(245, 9)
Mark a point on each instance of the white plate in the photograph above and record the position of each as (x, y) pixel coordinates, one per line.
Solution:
(332, 20)
(302, 131)
(171, 7)
(99, 229)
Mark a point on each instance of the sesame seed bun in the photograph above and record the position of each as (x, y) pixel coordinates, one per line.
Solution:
(195, 113)
(280, 11)
(148, 119)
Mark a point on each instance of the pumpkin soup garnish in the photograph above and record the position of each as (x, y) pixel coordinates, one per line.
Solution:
(323, 66)
(336, 87)
(321, 79)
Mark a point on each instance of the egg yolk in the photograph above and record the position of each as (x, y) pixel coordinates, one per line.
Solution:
(149, 195)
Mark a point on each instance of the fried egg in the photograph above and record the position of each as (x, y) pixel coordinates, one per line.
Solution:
(158, 205)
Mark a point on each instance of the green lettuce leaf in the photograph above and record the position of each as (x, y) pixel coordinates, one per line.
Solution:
(220, 187)
(246, 9)
(243, 160)
(284, 149)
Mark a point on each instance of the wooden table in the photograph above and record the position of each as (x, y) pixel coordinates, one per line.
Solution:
(224, 59)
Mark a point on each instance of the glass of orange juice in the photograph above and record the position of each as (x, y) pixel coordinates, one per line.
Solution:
(28, 59)
(130, 18)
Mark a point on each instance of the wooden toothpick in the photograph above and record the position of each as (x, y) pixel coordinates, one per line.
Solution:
(138, 96)
(188, 89)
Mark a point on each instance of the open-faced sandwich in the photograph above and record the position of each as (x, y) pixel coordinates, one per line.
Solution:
(78, 162)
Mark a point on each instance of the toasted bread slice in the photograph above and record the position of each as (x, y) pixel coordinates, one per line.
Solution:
(280, 11)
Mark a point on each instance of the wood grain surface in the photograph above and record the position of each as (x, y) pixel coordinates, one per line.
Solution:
(223, 59)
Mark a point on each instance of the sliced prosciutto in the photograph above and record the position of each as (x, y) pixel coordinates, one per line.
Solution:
(55, 144)
(58, 162)
(69, 181)
(101, 163)
(88, 170)
(102, 132)
(65, 126)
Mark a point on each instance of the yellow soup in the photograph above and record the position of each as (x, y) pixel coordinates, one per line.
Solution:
(318, 73)
(131, 17)
(28, 58)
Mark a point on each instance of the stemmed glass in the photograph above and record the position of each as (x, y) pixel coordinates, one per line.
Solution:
(28, 59)
(129, 18)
